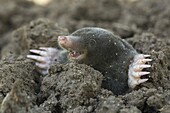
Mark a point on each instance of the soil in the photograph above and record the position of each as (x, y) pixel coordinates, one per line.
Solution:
(76, 88)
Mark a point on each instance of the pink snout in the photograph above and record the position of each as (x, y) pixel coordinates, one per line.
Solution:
(62, 39)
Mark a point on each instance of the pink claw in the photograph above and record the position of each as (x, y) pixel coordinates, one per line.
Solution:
(143, 61)
(139, 74)
(42, 53)
(146, 55)
(140, 67)
(62, 39)
(42, 66)
(135, 70)
(37, 58)
(141, 81)
(44, 58)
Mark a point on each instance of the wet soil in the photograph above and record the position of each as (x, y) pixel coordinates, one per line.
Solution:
(76, 88)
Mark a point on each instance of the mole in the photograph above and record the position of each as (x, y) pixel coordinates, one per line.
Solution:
(121, 65)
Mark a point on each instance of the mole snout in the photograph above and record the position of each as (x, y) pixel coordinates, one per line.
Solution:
(64, 41)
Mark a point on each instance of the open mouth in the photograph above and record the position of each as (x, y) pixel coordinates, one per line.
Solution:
(73, 49)
(74, 54)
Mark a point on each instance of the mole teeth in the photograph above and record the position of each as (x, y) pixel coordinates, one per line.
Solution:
(73, 52)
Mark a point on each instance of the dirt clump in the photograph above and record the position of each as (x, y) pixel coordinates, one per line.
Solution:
(71, 88)
(12, 70)
(38, 33)
(16, 13)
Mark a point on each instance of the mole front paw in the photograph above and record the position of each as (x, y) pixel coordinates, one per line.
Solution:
(135, 70)
(44, 58)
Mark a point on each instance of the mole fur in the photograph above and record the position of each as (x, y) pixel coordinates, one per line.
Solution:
(107, 53)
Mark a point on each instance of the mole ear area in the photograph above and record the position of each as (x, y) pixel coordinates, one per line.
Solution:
(92, 43)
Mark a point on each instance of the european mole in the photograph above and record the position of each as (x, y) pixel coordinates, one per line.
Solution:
(115, 58)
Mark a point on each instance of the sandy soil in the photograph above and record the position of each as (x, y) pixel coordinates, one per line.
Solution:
(76, 88)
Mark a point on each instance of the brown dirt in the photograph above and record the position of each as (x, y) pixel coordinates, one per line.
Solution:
(38, 33)
(76, 88)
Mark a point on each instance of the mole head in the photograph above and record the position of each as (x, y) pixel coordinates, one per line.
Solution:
(85, 44)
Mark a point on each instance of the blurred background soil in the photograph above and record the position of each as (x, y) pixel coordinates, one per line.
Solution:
(76, 88)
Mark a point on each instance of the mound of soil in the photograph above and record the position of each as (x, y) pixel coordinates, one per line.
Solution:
(16, 13)
(38, 33)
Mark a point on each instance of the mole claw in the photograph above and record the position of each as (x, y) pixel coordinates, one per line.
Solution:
(42, 66)
(144, 66)
(37, 58)
(43, 48)
(135, 70)
(43, 58)
(146, 55)
(34, 51)
(141, 81)
(147, 60)
(42, 53)
(143, 73)
(33, 57)
(140, 67)
(139, 74)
